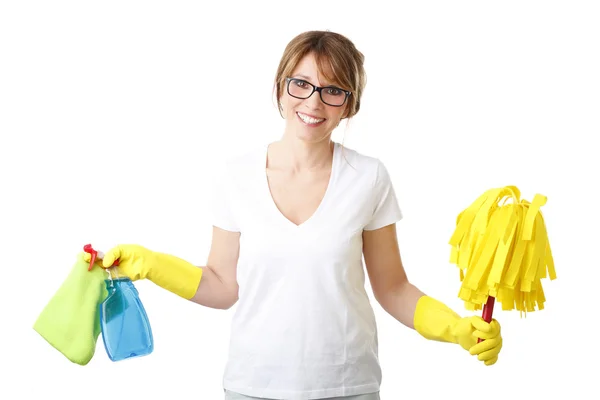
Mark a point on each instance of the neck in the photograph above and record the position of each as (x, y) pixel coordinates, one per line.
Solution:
(294, 154)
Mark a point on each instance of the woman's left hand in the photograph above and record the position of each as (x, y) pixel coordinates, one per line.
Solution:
(470, 329)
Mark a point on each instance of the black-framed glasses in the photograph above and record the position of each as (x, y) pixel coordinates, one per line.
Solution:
(330, 95)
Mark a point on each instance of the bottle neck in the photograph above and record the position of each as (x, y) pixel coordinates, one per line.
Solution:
(113, 284)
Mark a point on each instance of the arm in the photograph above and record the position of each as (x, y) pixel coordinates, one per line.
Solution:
(214, 285)
(218, 287)
(391, 287)
(429, 317)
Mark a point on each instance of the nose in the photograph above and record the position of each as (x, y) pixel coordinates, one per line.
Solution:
(314, 101)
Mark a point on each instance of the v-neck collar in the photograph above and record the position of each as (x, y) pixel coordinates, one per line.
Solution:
(273, 206)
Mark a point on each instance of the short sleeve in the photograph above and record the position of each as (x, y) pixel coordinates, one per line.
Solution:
(222, 214)
(386, 209)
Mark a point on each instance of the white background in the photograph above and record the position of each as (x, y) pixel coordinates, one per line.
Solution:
(114, 115)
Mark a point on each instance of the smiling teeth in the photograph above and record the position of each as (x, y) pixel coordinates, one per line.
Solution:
(310, 120)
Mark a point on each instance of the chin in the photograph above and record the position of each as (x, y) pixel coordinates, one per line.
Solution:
(311, 134)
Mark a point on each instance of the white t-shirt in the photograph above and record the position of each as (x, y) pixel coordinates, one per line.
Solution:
(303, 327)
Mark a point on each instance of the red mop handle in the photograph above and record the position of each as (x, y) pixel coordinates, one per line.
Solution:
(488, 310)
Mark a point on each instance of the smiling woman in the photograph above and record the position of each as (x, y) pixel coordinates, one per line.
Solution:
(321, 59)
(292, 221)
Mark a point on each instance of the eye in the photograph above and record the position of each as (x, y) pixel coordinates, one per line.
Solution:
(334, 91)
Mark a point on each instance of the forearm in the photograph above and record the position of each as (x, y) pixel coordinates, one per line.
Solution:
(215, 291)
(202, 285)
(420, 312)
(400, 302)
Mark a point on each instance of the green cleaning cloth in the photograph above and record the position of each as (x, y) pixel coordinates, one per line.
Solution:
(70, 321)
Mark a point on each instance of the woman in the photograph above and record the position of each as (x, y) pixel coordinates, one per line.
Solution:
(292, 221)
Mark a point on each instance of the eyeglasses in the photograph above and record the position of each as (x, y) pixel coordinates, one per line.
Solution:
(330, 95)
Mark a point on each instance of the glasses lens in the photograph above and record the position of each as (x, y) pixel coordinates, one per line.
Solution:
(299, 88)
(333, 96)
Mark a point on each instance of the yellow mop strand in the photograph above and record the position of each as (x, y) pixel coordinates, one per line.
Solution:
(502, 250)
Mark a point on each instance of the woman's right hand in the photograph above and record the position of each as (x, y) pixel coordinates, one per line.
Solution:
(167, 271)
(134, 261)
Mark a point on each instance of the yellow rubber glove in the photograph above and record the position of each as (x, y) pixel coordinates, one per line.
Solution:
(169, 272)
(436, 321)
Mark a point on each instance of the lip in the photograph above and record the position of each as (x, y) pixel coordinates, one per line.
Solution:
(311, 116)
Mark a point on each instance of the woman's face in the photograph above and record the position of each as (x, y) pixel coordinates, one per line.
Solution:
(310, 119)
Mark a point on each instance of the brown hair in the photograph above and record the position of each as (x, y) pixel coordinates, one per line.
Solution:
(337, 59)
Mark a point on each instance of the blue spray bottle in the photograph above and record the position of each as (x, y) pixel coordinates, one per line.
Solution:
(124, 324)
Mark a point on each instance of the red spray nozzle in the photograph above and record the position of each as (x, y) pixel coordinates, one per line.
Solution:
(89, 249)
(94, 253)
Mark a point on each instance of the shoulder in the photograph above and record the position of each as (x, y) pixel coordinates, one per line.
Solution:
(239, 166)
(362, 165)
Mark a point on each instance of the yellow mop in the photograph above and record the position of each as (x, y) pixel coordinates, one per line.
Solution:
(501, 248)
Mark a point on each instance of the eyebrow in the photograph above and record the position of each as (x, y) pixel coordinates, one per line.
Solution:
(309, 79)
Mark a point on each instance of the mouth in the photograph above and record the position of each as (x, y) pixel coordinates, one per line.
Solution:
(309, 120)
